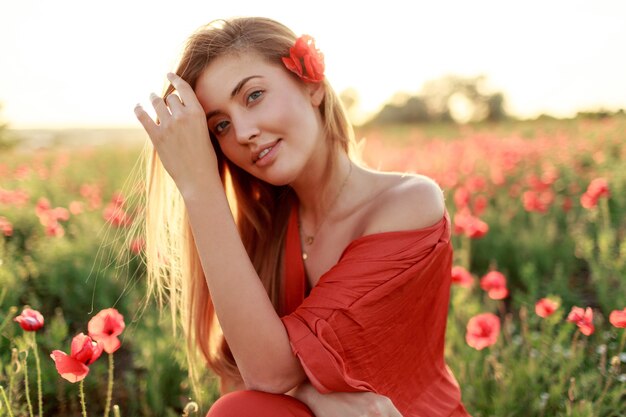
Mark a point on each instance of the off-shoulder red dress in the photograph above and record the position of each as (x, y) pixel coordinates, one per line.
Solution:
(376, 321)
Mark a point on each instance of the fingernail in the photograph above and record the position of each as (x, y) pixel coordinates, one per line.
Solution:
(137, 105)
(171, 76)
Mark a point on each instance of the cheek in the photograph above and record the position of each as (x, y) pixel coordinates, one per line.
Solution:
(232, 151)
(294, 117)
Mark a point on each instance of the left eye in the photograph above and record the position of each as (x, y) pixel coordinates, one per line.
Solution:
(255, 95)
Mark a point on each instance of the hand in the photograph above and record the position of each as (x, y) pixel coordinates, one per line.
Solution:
(181, 136)
(345, 404)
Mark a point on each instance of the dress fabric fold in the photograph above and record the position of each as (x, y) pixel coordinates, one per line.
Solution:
(376, 321)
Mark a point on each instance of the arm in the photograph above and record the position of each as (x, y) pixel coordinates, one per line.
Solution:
(252, 327)
(249, 322)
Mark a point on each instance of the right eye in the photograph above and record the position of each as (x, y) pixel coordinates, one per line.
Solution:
(220, 127)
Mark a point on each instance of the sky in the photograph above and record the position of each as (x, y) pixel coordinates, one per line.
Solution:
(68, 63)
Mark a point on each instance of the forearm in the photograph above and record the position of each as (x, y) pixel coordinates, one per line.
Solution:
(252, 327)
(305, 392)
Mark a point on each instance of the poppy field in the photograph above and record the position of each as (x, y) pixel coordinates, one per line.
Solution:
(537, 320)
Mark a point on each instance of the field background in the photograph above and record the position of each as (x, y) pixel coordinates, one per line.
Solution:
(524, 179)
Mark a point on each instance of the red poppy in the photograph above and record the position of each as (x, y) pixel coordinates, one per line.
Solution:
(472, 227)
(49, 217)
(21, 172)
(461, 197)
(618, 318)
(583, 319)
(305, 60)
(476, 228)
(550, 175)
(18, 198)
(546, 307)
(60, 213)
(587, 201)
(74, 367)
(42, 206)
(480, 204)
(6, 228)
(30, 320)
(597, 188)
(537, 184)
(461, 276)
(76, 207)
(93, 193)
(494, 283)
(531, 202)
(137, 245)
(55, 229)
(476, 183)
(116, 215)
(482, 331)
(105, 326)
(118, 199)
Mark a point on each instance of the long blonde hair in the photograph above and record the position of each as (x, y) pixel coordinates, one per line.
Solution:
(260, 209)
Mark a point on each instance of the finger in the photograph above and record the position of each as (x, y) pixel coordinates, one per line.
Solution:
(187, 95)
(160, 107)
(174, 103)
(145, 120)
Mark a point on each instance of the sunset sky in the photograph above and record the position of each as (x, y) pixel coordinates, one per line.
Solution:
(80, 63)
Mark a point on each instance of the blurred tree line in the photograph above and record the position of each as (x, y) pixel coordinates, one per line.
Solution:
(451, 98)
(7, 141)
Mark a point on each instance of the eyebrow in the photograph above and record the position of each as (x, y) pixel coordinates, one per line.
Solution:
(233, 93)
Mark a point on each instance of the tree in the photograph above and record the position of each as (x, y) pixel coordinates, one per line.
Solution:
(446, 99)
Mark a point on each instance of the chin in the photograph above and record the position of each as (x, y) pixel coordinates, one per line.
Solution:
(277, 177)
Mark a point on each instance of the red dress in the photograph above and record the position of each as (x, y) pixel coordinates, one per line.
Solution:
(375, 321)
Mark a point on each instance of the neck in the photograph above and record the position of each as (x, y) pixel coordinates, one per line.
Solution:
(318, 190)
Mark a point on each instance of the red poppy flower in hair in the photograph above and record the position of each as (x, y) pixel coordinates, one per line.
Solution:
(305, 60)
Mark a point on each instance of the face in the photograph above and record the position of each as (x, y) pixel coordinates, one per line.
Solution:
(265, 121)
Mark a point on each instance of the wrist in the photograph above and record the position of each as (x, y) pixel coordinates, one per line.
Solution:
(202, 189)
(303, 392)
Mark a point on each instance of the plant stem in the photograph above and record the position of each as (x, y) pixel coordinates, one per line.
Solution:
(39, 393)
(15, 367)
(575, 342)
(466, 244)
(116, 410)
(570, 366)
(622, 343)
(607, 384)
(107, 407)
(26, 385)
(10, 314)
(82, 397)
(6, 401)
(605, 213)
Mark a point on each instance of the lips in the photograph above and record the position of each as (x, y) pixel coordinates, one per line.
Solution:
(262, 151)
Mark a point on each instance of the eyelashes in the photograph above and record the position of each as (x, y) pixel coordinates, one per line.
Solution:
(220, 127)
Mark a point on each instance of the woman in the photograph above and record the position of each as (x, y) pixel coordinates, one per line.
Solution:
(257, 133)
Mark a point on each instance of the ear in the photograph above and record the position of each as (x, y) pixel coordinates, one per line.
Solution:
(316, 92)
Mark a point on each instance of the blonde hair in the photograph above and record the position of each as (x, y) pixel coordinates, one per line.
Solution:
(261, 210)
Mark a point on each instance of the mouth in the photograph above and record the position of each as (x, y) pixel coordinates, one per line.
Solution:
(260, 155)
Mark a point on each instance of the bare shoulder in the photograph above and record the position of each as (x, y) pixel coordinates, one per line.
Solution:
(410, 202)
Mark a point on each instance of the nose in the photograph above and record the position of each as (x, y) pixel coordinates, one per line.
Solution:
(246, 129)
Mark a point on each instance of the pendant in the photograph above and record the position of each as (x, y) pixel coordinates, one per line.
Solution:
(304, 256)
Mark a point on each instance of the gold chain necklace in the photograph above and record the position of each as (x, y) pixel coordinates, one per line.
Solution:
(309, 239)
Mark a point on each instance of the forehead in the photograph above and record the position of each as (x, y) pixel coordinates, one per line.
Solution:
(219, 78)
